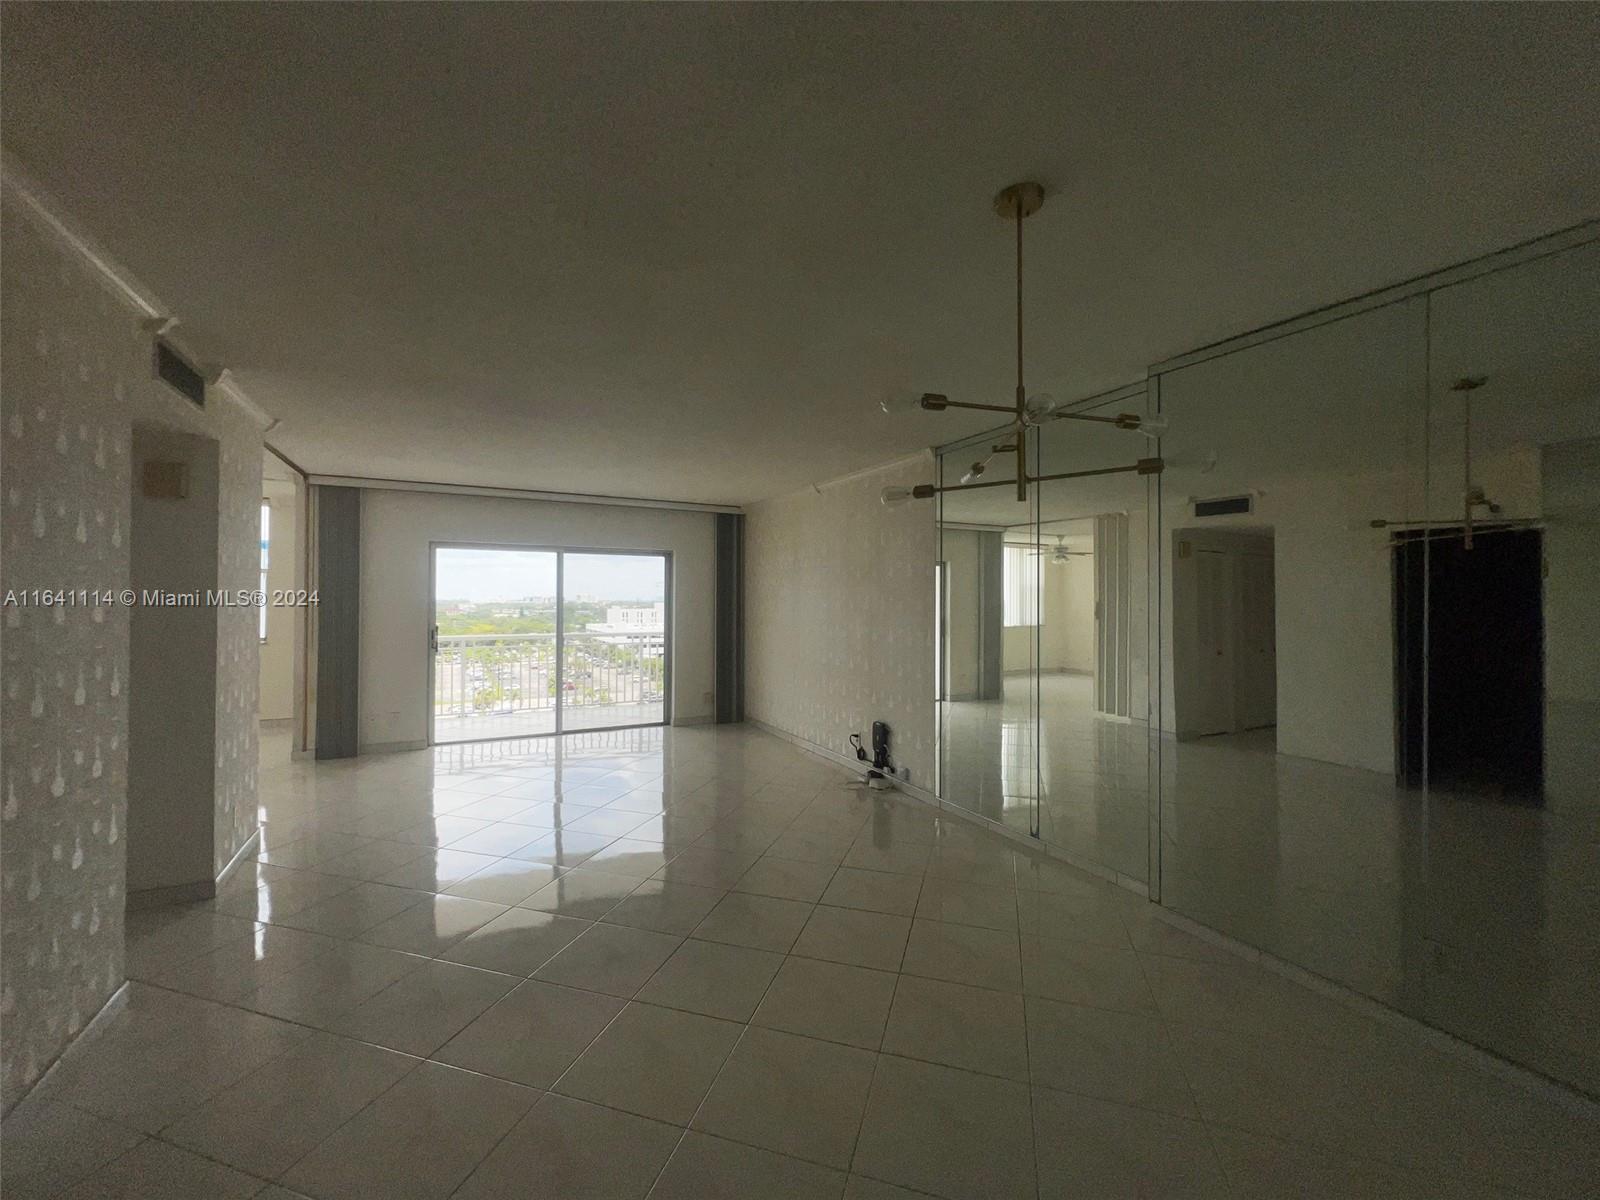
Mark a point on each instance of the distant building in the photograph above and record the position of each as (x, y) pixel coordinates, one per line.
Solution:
(628, 622)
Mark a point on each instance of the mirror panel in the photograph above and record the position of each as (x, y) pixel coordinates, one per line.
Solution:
(1512, 666)
(1282, 686)
(1282, 822)
(1093, 545)
(987, 711)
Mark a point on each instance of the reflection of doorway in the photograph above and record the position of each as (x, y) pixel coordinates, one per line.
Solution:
(1469, 627)
(1224, 632)
(528, 642)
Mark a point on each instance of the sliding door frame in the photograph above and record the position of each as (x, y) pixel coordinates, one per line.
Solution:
(668, 633)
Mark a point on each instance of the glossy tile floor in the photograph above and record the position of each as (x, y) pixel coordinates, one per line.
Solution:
(1476, 915)
(1095, 801)
(691, 963)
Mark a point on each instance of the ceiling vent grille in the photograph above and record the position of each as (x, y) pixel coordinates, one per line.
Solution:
(177, 371)
(1222, 506)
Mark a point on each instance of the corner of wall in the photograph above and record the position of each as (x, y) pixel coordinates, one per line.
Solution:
(839, 614)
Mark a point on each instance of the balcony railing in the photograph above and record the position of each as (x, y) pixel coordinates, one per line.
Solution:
(495, 674)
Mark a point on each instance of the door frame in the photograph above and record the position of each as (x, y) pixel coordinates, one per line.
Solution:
(668, 632)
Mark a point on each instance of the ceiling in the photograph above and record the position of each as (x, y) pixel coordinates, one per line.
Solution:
(680, 252)
(1344, 397)
(275, 469)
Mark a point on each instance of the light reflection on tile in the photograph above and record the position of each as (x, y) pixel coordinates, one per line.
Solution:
(1135, 1047)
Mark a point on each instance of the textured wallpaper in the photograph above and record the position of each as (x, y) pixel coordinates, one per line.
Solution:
(77, 373)
(839, 615)
(238, 631)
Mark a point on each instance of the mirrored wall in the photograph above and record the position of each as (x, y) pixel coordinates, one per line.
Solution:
(1330, 684)
(1048, 618)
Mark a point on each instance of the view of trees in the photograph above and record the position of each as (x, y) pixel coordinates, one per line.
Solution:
(521, 673)
(459, 617)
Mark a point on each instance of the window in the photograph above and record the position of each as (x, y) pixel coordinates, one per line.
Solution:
(266, 538)
(1021, 586)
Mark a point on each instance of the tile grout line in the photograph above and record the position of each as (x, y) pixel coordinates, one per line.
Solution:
(1171, 1048)
(546, 1091)
(723, 1066)
(1027, 1033)
(922, 888)
(888, 1016)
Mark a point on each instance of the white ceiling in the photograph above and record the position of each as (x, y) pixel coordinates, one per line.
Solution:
(274, 468)
(680, 251)
(1344, 397)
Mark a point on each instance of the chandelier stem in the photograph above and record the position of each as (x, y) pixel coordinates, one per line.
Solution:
(1021, 399)
(1022, 395)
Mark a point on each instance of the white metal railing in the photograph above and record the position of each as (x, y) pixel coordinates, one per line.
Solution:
(497, 673)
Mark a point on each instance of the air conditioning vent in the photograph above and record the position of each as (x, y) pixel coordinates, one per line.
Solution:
(176, 370)
(1223, 506)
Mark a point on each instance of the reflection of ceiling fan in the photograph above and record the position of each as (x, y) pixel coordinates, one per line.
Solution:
(1060, 554)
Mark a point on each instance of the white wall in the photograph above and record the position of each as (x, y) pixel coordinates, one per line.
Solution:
(278, 651)
(171, 788)
(1017, 648)
(77, 375)
(1334, 598)
(839, 614)
(1571, 648)
(397, 529)
(1066, 619)
(1068, 637)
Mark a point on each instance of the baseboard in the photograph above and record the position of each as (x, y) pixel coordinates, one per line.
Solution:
(248, 850)
(177, 893)
(277, 724)
(849, 762)
(200, 889)
(96, 1025)
(390, 747)
(707, 720)
(923, 795)
(1485, 1060)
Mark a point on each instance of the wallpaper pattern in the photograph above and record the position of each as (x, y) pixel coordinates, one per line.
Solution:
(238, 631)
(78, 372)
(839, 615)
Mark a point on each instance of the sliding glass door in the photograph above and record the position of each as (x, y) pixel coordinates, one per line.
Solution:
(614, 640)
(528, 642)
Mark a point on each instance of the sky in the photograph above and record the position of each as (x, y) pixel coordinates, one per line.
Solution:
(483, 575)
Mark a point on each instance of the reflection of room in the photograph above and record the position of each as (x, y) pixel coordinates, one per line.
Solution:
(1358, 607)
(1036, 655)
(1413, 824)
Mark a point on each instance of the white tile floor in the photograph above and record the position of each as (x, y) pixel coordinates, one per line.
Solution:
(1474, 915)
(689, 963)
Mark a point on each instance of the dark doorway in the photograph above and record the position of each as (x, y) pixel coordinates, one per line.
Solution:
(1478, 662)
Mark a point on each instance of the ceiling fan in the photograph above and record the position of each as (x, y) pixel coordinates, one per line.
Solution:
(1060, 553)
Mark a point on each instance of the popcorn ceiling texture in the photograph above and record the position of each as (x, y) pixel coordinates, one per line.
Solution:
(78, 373)
(839, 615)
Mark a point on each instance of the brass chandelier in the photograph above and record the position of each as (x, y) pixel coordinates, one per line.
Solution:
(1017, 203)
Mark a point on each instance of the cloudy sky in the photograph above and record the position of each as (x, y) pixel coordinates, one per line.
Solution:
(481, 575)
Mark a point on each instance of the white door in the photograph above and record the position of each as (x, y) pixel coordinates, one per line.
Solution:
(1256, 661)
(1214, 643)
